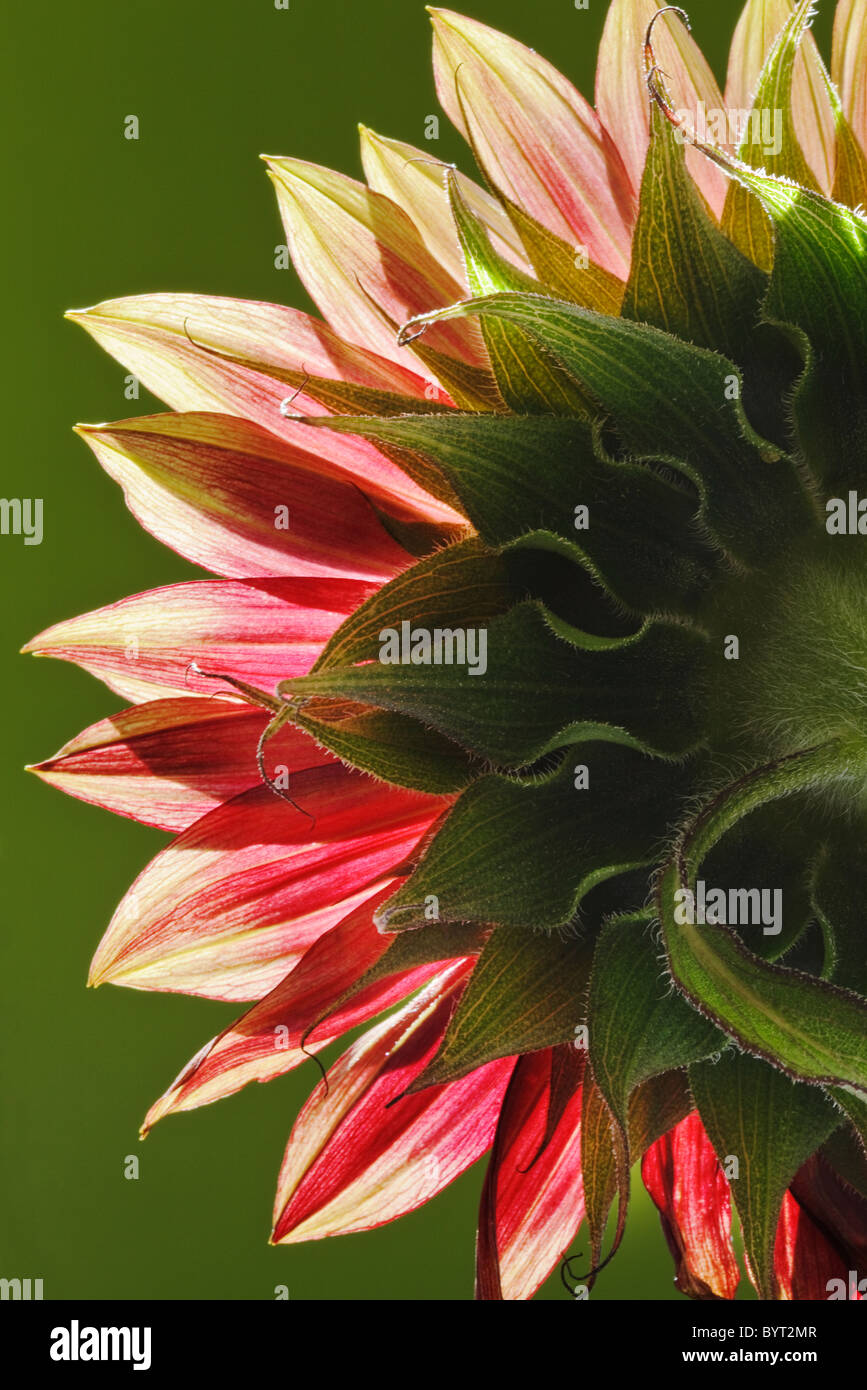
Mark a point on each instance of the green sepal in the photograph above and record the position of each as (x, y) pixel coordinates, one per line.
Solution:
(818, 289)
(846, 1154)
(638, 1028)
(814, 1030)
(744, 219)
(528, 380)
(389, 746)
(655, 1107)
(690, 280)
(675, 403)
(526, 854)
(464, 585)
(855, 1110)
(638, 1025)
(687, 278)
(772, 846)
(839, 892)
(525, 993)
(771, 1125)
(562, 268)
(541, 691)
(509, 473)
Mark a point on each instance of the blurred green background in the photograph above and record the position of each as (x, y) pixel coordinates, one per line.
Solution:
(187, 207)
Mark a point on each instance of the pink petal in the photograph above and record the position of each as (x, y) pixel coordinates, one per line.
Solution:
(536, 137)
(230, 907)
(360, 257)
(236, 500)
(260, 632)
(417, 183)
(355, 1160)
(168, 762)
(848, 67)
(684, 1178)
(621, 88)
(175, 344)
(266, 1041)
(758, 27)
(534, 1196)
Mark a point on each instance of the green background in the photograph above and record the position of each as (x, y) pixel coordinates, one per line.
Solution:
(91, 216)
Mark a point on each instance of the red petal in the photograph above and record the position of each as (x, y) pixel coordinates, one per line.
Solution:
(236, 500)
(266, 1041)
(261, 632)
(533, 1202)
(684, 1178)
(805, 1261)
(169, 762)
(228, 908)
(355, 1160)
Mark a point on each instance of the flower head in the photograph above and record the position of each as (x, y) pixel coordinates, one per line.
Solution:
(538, 630)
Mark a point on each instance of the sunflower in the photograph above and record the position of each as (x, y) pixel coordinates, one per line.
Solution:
(540, 648)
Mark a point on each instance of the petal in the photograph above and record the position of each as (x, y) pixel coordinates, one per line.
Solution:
(261, 631)
(848, 66)
(235, 499)
(228, 908)
(804, 1259)
(179, 345)
(169, 762)
(757, 28)
(267, 1040)
(417, 183)
(360, 258)
(366, 1153)
(535, 136)
(533, 1202)
(835, 1206)
(621, 88)
(683, 1177)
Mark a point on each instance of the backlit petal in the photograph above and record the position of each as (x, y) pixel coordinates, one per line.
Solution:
(235, 499)
(849, 63)
(621, 88)
(355, 1159)
(179, 346)
(684, 1178)
(417, 182)
(260, 631)
(534, 1197)
(266, 1041)
(230, 907)
(167, 763)
(537, 138)
(360, 258)
(757, 28)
